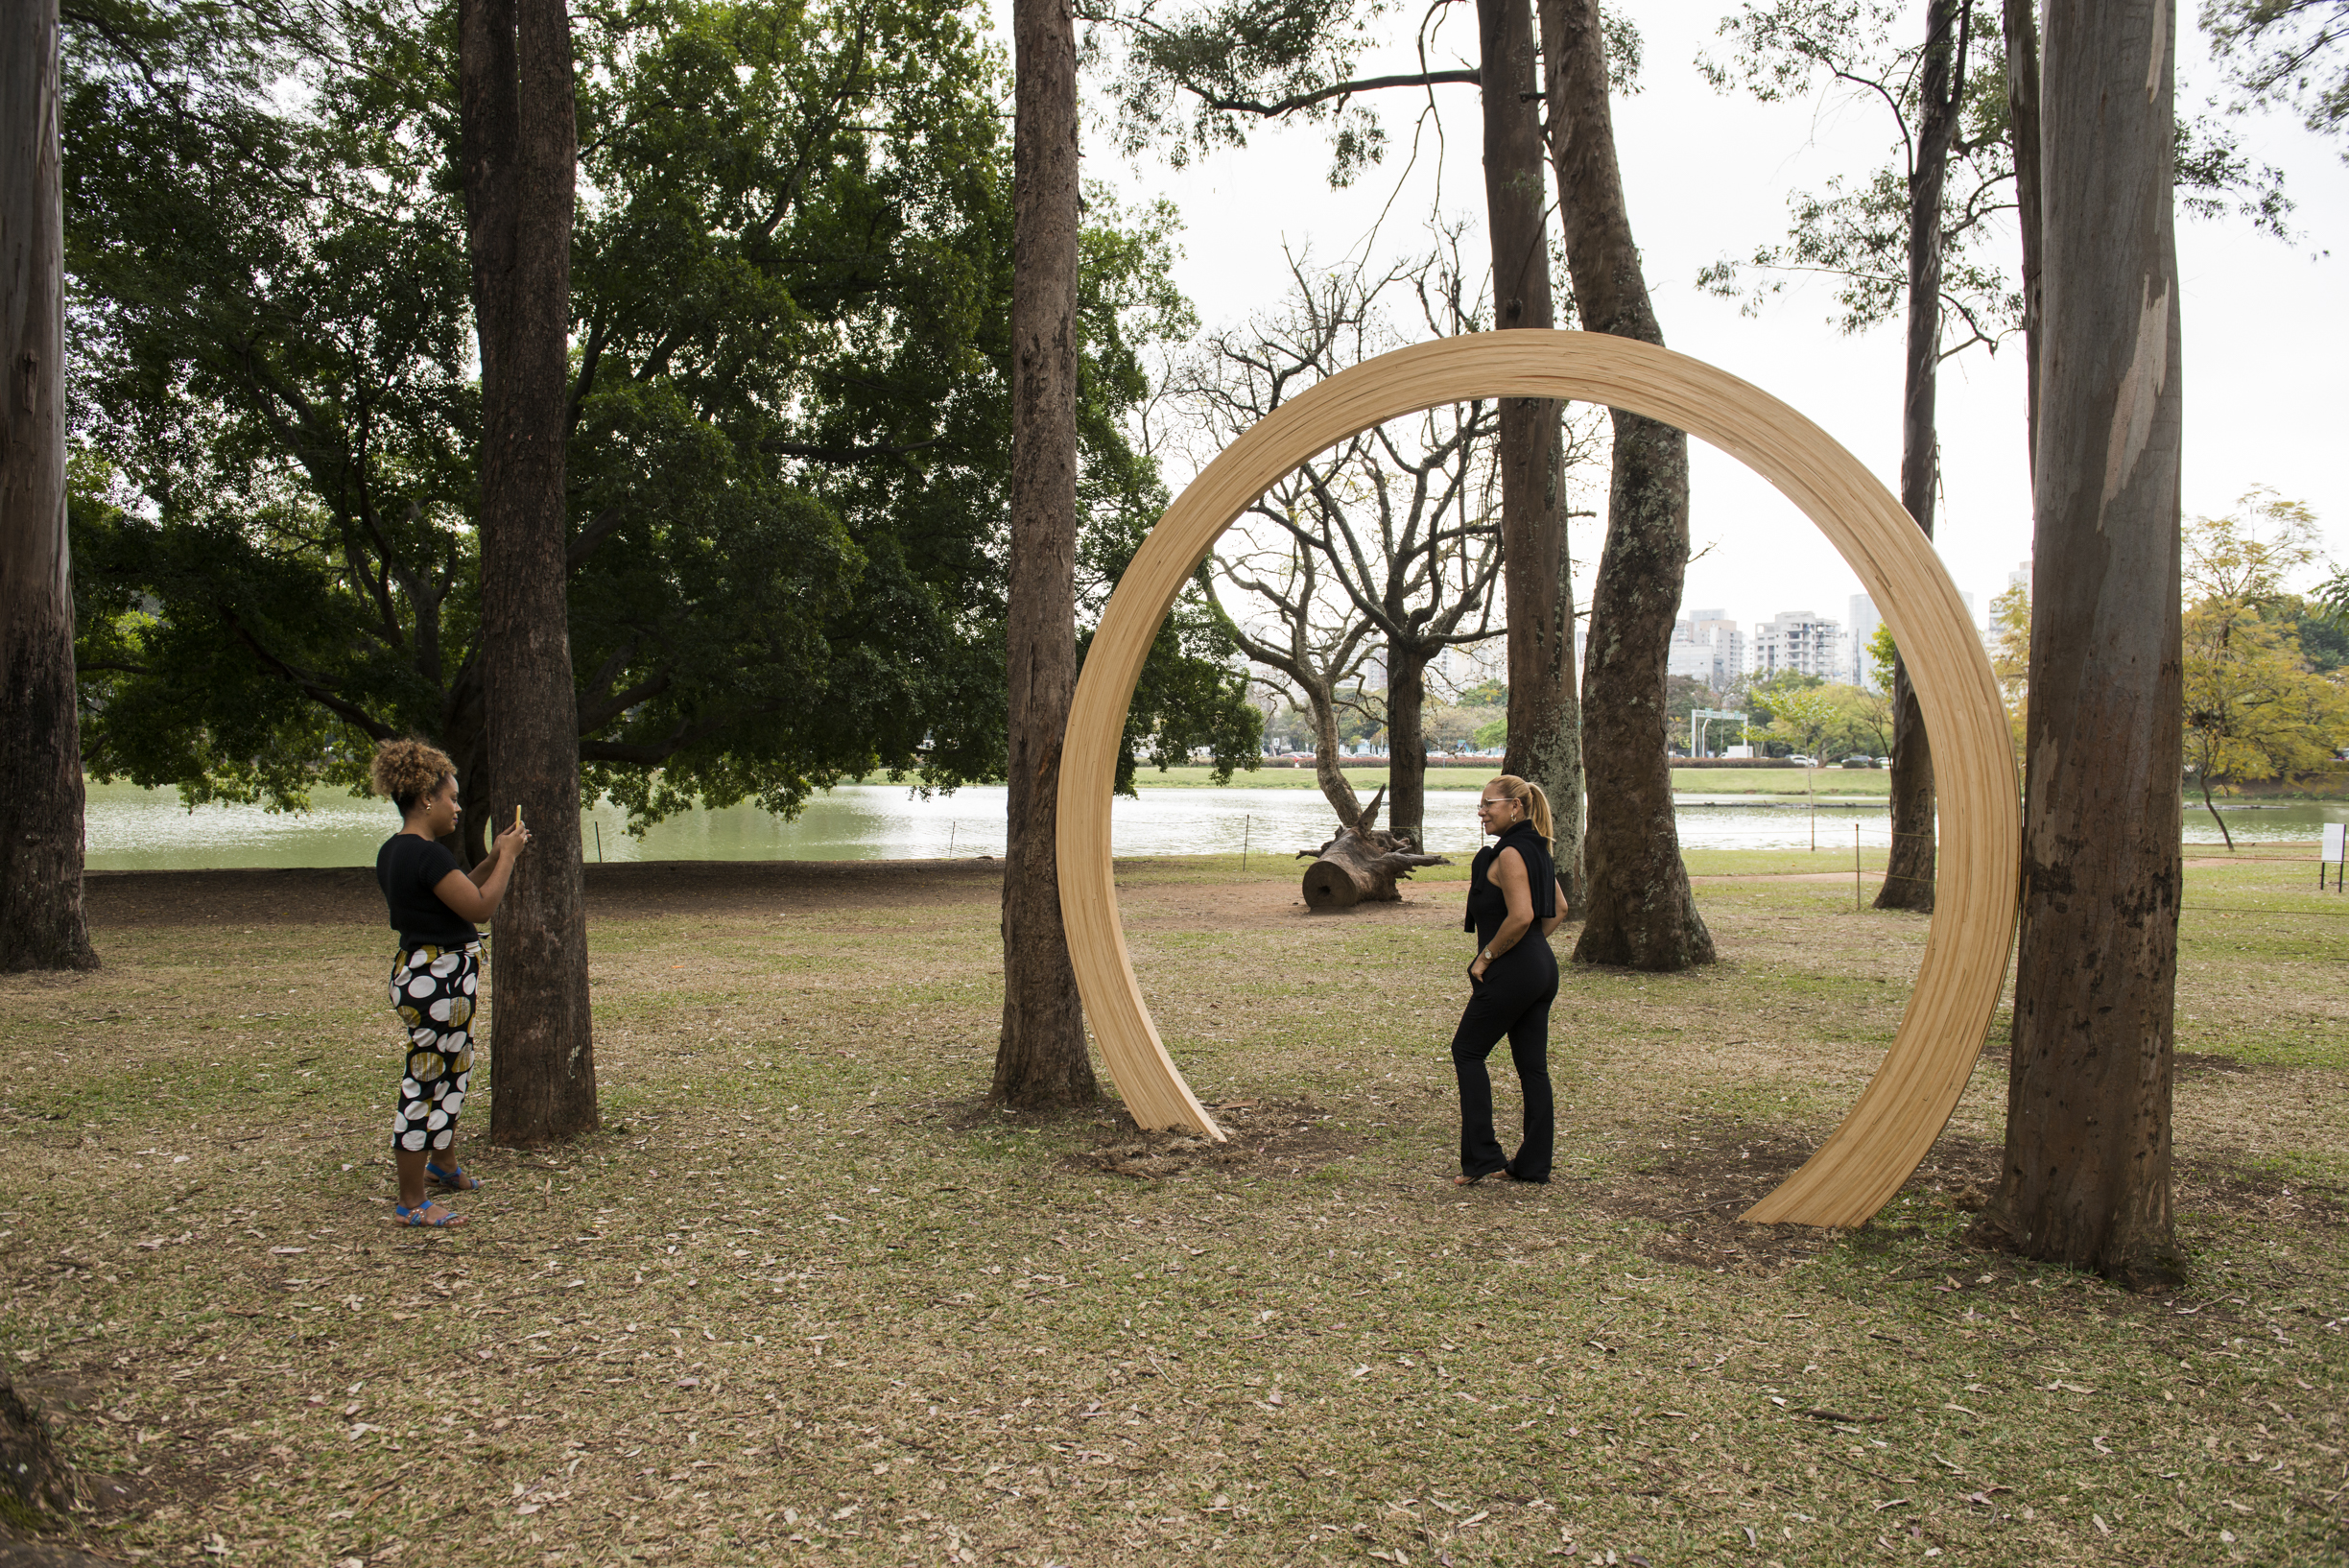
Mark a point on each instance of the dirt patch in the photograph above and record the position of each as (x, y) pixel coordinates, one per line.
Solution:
(2206, 1061)
(630, 889)
(1286, 1135)
(1715, 1169)
(638, 890)
(2224, 1190)
(2184, 1063)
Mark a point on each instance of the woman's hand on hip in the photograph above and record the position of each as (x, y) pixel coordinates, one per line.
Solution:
(1477, 969)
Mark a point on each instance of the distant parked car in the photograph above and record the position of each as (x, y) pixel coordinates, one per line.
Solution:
(1801, 761)
(1859, 762)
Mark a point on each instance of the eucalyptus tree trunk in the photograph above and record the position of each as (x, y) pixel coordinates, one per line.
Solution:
(1908, 871)
(1545, 710)
(521, 150)
(41, 926)
(1640, 912)
(2087, 1168)
(2022, 36)
(1040, 1059)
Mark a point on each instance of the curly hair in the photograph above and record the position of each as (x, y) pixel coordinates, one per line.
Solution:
(410, 769)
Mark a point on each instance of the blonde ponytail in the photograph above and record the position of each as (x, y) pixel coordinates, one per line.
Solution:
(1529, 794)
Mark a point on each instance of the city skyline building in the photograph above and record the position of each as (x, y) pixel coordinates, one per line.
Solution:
(1859, 670)
(1707, 647)
(1801, 640)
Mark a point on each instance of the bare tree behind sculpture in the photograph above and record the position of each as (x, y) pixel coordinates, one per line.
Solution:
(1198, 77)
(1316, 644)
(1396, 529)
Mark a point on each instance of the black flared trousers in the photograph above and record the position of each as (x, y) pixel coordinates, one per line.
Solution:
(1513, 999)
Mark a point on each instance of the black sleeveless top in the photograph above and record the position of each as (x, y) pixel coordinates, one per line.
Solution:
(1488, 906)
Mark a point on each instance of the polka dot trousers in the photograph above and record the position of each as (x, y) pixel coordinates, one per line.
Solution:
(432, 990)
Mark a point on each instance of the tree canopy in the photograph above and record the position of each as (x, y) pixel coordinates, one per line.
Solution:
(1854, 234)
(2289, 53)
(2257, 707)
(789, 421)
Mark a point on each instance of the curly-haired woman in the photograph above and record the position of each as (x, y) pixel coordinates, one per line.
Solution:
(434, 902)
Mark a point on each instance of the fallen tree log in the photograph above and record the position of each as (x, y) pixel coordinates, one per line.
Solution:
(1361, 865)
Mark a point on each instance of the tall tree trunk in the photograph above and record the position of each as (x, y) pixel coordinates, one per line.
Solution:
(2087, 1168)
(520, 148)
(1407, 746)
(1545, 709)
(1040, 1061)
(2022, 37)
(40, 736)
(1641, 913)
(1908, 871)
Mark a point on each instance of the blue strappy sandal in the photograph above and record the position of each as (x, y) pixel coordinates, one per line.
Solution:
(417, 1215)
(456, 1180)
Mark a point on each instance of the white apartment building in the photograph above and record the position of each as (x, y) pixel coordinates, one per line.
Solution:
(1801, 640)
(1707, 645)
(1860, 668)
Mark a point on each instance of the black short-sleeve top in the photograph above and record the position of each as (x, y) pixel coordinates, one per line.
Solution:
(408, 867)
(1488, 905)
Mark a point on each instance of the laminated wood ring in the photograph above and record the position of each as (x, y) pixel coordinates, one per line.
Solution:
(1914, 1088)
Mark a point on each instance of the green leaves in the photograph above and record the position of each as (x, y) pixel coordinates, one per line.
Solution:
(1854, 234)
(790, 431)
(2286, 52)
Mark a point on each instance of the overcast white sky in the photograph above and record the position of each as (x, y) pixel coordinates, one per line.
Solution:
(1707, 175)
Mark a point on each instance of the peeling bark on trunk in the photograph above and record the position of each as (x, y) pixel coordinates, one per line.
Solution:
(1545, 708)
(42, 925)
(2088, 1131)
(1362, 864)
(1040, 1059)
(521, 150)
(1908, 869)
(1641, 913)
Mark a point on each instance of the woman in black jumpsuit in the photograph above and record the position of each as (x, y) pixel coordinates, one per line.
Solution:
(1513, 905)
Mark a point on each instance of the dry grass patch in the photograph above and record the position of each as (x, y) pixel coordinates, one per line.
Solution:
(803, 1300)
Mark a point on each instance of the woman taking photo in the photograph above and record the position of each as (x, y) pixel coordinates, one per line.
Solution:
(433, 903)
(1513, 905)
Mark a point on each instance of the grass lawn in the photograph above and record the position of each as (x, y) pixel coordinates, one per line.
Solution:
(1873, 782)
(805, 1299)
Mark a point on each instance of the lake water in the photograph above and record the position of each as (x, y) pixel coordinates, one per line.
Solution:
(132, 829)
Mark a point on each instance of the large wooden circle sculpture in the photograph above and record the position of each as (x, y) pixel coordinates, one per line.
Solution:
(1909, 1100)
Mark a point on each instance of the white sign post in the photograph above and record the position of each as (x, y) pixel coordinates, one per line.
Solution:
(2333, 853)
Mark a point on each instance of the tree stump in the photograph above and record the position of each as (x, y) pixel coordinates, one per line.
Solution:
(34, 1480)
(1361, 865)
